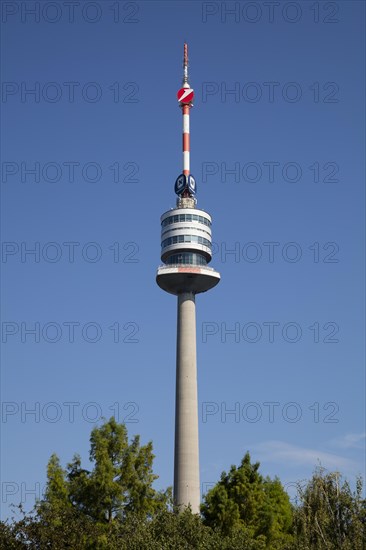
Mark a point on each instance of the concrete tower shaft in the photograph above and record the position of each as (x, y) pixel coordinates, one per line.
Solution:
(186, 448)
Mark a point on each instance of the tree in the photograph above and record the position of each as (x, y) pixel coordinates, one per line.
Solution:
(57, 490)
(120, 482)
(329, 515)
(243, 499)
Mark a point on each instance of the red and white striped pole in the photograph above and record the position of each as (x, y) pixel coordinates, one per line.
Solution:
(185, 97)
(186, 151)
(185, 111)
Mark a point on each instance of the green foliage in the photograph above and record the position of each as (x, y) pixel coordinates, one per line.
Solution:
(119, 483)
(243, 499)
(165, 531)
(329, 515)
(57, 489)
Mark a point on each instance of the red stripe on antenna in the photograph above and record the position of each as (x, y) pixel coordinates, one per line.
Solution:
(185, 55)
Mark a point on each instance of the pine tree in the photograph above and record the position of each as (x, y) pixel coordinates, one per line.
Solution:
(243, 499)
(119, 483)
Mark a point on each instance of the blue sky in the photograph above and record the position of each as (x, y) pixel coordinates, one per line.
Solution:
(277, 149)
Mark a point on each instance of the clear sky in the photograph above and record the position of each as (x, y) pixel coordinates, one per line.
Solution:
(89, 161)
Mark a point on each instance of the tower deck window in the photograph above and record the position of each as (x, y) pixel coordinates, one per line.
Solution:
(185, 239)
(185, 218)
(186, 258)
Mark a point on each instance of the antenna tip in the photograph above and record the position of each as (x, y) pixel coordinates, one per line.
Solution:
(185, 53)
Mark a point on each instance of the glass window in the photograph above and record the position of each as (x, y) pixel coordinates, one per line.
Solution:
(185, 218)
(186, 258)
(185, 239)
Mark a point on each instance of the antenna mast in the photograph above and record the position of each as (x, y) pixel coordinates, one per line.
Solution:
(185, 96)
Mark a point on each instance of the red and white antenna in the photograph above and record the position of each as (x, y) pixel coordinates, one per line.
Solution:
(185, 97)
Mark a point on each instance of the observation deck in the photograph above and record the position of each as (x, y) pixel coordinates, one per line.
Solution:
(176, 279)
(186, 250)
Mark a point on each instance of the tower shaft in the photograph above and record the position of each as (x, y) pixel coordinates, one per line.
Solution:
(186, 453)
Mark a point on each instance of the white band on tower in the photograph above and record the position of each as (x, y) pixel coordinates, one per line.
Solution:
(186, 162)
(185, 124)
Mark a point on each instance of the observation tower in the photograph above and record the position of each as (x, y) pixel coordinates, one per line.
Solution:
(186, 253)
